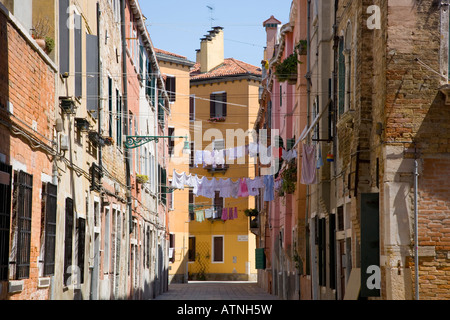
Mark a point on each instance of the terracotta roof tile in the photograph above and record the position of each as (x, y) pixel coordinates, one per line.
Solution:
(230, 67)
(169, 53)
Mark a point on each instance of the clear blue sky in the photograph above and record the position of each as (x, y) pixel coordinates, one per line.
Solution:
(178, 25)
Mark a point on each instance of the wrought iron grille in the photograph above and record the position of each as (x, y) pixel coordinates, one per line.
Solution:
(24, 211)
(5, 216)
(68, 239)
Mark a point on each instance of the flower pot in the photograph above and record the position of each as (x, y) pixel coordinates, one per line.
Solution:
(41, 43)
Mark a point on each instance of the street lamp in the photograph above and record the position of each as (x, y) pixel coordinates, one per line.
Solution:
(133, 142)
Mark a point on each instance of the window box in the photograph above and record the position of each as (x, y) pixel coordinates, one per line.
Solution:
(82, 124)
(287, 70)
(140, 178)
(218, 119)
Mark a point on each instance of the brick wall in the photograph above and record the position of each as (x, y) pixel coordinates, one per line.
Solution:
(31, 90)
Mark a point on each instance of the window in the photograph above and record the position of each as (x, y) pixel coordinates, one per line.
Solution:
(106, 243)
(81, 231)
(163, 184)
(192, 108)
(218, 249)
(218, 203)
(341, 77)
(218, 145)
(171, 88)
(5, 216)
(170, 197)
(191, 250)
(171, 141)
(172, 248)
(119, 119)
(110, 106)
(218, 105)
(64, 37)
(191, 205)
(78, 57)
(68, 239)
(49, 201)
(192, 155)
(21, 221)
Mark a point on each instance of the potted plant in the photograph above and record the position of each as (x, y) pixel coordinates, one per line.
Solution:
(217, 119)
(289, 179)
(141, 178)
(40, 31)
(302, 47)
(251, 212)
(287, 70)
(49, 44)
(108, 141)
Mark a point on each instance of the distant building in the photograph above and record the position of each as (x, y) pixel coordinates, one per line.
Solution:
(224, 103)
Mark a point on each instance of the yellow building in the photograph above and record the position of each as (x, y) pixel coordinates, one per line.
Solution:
(175, 70)
(224, 105)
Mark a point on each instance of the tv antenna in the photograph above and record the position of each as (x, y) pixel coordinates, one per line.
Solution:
(211, 11)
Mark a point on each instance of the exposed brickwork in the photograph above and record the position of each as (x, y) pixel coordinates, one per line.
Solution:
(31, 90)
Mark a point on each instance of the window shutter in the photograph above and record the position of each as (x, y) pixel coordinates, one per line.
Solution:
(92, 71)
(341, 90)
(64, 37)
(50, 228)
(25, 199)
(212, 106)
(224, 104)
(218, 249)
(5, 218)
(78, 57)
(68, 238)
(260, 259)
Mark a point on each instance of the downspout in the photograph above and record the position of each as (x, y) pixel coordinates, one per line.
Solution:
(334, 111)
(100, 91)
(416, 227)
(308, 103)
(125, 112)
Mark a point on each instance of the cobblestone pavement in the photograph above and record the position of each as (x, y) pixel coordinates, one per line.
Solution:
(216, 290)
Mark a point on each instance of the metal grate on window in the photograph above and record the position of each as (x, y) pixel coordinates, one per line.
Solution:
(24, 211)
(5, 216)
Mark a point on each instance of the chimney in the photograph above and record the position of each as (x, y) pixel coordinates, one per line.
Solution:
(271, 26)
(211, 53)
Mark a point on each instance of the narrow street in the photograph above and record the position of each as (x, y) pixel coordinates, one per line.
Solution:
(216, 290)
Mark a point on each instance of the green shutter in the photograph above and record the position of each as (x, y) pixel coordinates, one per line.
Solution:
(260, 259)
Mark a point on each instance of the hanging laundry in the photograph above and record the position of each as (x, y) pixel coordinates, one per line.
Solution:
(198, 158)
(207, 158)
(230, 214)
(200, 216)
(235, 213)
(319, 158)
(254, 185)
(269, 191)
(178, 180)
(308, 165)
(253, 149)
(224, 214)
(208, 214)
(219, 157)
(206, 188)
(234, 190)
(216, 214)
(243, 189)
(197, 182)
(224, 187)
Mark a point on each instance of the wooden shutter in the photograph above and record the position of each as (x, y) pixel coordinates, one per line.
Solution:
(341, 83)
(218, 249)
(68, 238)
(212, 106)
(50, 228)
(78, 57)
(370, 240)
(332, 235)
(81, 246)
(64, 37)
(224, 104)
(92, 70)
(260, 259)
(191, 252)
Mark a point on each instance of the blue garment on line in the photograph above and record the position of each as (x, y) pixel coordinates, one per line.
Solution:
(269, 188)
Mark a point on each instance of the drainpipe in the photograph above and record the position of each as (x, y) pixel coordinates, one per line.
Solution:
(416, 231)
(125, 112)
(100, 101)
(308, 103)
